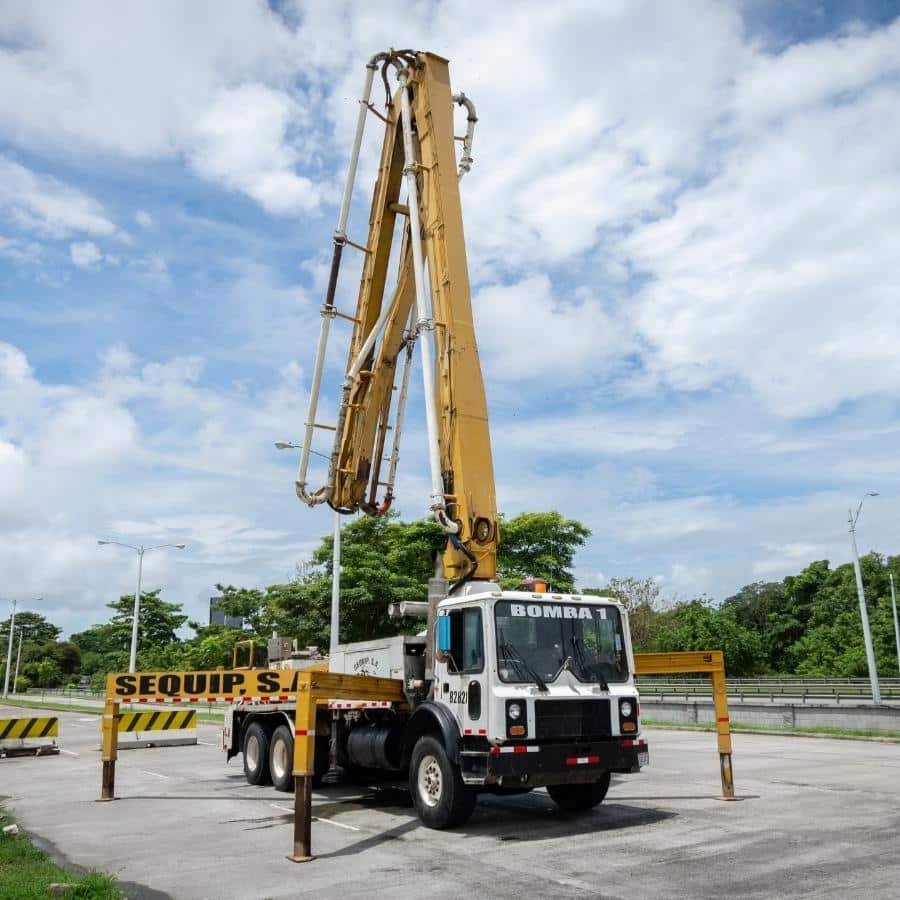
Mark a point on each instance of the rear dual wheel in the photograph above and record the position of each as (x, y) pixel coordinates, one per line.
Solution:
(281, 759)
(256, 754)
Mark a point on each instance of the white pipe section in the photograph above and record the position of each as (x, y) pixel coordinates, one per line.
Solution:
(349, 380)
(357, 144)
(312, 410)
(466, 160)
(398, 418)
(424, 322)
(324, 493)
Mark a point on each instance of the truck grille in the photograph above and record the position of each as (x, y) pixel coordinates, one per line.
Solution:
(572, 719)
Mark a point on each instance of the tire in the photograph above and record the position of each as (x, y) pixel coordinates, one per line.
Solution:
(579, 797)
(439, 795)
(281, 759)
(256, 754)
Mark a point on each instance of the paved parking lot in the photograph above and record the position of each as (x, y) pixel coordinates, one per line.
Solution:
(820, 818)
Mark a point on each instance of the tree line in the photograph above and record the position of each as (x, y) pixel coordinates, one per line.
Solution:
(806, 624)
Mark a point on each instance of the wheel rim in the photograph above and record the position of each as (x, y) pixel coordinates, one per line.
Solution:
(251, 752)
(279, 759)
(431, 781)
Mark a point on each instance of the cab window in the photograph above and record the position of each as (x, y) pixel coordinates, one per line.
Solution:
(466, 641)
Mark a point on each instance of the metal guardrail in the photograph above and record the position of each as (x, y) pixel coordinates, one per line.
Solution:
(772, 688)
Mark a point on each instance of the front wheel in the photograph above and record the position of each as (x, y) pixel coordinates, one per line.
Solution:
(579, 797)
(441, 798)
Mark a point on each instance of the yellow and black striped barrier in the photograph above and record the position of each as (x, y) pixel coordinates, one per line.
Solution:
(14, 733)
(152, 728)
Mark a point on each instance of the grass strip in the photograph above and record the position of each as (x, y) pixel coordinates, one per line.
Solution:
(26, 873)
(859, 734)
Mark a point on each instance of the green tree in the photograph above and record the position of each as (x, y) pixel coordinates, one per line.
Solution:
(383, 561)
(541, 544)
(698, 625)
(158, 621)
(767, 609)
(251, 604)
(45, 674)
(832, 643)
(99, 640)
(35, 627)
(640, 597)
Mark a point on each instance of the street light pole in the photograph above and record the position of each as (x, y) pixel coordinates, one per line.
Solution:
(335, 564)
(18, 658)
(335, 584)
(12, 626)
(132, 659)
(896, 624)
(867, 634)
(141, 550)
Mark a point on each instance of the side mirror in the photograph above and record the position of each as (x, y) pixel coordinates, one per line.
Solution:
(443, 634)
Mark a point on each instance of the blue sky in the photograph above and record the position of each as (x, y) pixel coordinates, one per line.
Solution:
(683, 228)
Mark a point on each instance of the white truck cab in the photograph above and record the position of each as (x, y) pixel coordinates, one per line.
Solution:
(521, 691)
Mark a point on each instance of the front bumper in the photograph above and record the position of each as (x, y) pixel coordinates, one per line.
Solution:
(537, 765)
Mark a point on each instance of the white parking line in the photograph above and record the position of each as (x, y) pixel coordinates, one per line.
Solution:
(155, 774)
(68, 752)
(207, 743)
(317, 819)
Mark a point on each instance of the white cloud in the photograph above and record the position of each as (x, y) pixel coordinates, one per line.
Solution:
(85, 254)
(162, 81)
(46, 205)
(779, 270)
(526, 329)
(143, 218)
(86, 430)
(790, 557)
(146, 452)
(19, 251)
(241, 142)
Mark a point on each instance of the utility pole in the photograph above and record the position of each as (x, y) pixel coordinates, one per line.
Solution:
(896, 624)
(335, 584)
(867, 634)
(12, 626)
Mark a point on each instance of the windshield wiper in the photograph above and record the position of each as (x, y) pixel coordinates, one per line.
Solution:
(582, 663)
(519, 661)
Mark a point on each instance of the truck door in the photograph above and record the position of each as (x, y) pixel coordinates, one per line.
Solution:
(463, 689)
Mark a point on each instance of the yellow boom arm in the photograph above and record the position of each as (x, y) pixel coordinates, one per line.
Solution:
(419, 151)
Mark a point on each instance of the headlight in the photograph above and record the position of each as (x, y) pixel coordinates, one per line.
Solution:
(626, 708)
(514, 711)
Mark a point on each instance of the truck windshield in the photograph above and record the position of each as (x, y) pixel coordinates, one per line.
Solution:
(550, 637)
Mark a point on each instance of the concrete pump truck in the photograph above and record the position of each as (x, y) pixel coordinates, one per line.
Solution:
(506, 690)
